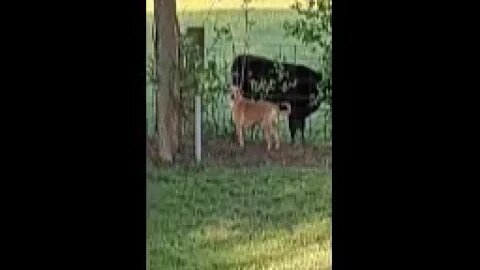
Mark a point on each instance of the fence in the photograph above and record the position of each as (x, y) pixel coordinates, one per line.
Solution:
(211, 79)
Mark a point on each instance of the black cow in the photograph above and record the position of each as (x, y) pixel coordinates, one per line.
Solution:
(296, 84)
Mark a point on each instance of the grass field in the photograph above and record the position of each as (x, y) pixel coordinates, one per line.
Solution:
(266, 36)
(197, 5)
(256, 218)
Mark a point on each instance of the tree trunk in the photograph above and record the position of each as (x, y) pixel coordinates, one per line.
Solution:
(167, 95)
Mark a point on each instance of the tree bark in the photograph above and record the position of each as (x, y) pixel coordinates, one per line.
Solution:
(167, 95)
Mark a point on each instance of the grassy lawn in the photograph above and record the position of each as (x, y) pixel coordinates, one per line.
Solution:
(255, 218)
(267, 36)
(202, 5)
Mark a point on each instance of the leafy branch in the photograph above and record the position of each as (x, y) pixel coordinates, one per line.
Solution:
(314, 29)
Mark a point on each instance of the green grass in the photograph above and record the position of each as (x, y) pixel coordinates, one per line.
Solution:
(211, 218)
(267, 36)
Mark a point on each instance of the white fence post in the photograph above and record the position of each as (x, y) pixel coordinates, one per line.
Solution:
(198, 129)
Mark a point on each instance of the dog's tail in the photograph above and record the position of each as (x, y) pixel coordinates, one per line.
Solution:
(286, 105)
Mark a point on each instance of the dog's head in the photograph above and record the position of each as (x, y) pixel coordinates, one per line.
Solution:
(236, 93)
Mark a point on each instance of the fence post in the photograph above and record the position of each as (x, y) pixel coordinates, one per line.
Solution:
(198, 129)
(295, 53)
(197, 34)
(310, 125)
(325, 135)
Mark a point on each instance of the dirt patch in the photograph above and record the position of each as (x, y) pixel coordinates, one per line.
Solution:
(226, 153)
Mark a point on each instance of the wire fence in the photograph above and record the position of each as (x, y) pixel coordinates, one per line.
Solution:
(214, 85)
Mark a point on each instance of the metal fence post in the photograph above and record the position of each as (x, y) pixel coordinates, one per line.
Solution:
(295, 53)
(198, 129)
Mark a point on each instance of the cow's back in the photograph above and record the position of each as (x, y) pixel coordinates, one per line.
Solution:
(302, 81)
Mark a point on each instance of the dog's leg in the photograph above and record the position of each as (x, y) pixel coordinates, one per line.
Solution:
(234, 135)
(252, 133)
(234, 132)
(267, 135)
(277, 138)
(239, 130)
(269, 139)
(274, 130)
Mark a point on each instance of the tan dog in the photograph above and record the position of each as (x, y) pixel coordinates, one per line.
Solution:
(247, 113)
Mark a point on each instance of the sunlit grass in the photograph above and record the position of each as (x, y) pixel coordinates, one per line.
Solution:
(194, 5)
(258, 218)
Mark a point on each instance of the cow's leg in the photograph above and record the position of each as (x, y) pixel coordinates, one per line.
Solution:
(291, 126)
(302, 128)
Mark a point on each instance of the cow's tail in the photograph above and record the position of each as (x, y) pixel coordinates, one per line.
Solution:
(318, 76)
(314, 105)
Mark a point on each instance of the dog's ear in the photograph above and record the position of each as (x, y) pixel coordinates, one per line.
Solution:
(233, 93)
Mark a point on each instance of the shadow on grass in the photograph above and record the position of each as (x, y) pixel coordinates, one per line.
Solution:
(212, 218)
